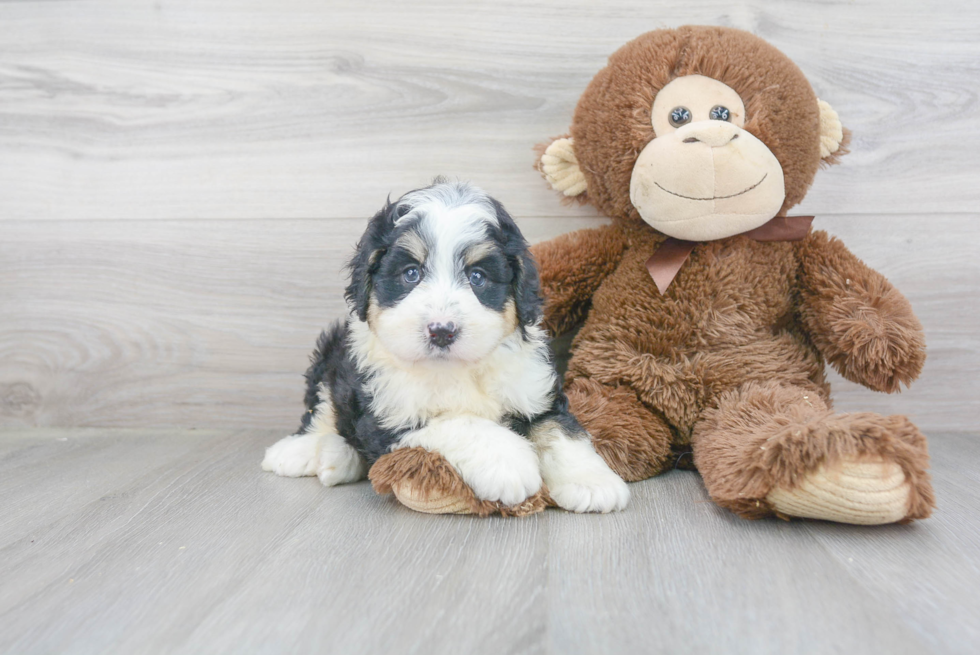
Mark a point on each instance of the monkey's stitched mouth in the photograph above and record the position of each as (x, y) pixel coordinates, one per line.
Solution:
(765, 175)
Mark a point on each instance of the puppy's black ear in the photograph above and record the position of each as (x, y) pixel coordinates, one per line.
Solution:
(364, 264)
(527, 290)
(526, 286)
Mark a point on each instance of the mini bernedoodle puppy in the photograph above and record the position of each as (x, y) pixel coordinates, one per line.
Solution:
(443, 350)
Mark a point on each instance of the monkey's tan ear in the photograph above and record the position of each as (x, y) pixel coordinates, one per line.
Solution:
(832, 133)
(559, 165)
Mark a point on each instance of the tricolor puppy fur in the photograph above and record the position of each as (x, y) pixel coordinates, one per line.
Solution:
(443, 350)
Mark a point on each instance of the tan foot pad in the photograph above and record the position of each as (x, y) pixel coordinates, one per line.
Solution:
(425, 482)
(414, 497)
(860, 492)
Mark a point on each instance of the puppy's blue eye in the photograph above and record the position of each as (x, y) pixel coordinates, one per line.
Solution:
(411, 275)
(679, 116)
(477, 278)
(719, 113)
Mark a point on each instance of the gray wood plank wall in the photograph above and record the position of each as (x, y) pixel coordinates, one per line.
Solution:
(181, 181)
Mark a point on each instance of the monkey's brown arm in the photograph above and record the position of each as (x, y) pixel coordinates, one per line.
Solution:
(572, 266)
(862, 324)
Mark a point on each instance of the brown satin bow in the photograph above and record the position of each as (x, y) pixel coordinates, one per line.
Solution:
(667, 260)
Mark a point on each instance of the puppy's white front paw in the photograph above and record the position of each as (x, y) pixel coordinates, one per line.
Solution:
(496, 463)
(338, 462)
(593, 492)
(511, 480)
(293, 456)
(579, 480)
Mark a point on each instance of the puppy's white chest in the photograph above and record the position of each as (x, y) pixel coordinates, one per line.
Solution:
(516, 378)
(409, 398)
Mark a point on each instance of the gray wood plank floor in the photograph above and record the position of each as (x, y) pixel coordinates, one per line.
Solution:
(153, 541)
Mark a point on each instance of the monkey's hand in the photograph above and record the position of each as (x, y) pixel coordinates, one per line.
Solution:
(862, 324)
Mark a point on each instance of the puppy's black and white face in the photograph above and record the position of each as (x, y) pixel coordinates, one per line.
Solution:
(443, 274)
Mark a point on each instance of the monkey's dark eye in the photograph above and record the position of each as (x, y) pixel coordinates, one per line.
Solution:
(478, 278)
(679, 116)
(719, 113)
(412, 274)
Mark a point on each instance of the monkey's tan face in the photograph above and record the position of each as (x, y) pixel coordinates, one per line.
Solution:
(704, 177)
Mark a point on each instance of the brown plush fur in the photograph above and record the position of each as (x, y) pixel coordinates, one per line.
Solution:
(628, 435)
(431, 476)
(859, 321)
(732, 355)
(570, 290)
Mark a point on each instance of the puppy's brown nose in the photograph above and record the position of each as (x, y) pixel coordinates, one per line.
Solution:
(442, 334)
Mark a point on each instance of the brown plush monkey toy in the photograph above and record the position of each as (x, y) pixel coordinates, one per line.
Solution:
(706, 312)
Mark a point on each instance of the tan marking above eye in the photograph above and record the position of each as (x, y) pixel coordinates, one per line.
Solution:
(477, 252)
(699, 95)
(412, 243)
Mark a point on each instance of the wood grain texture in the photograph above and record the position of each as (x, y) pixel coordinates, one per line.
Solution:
(209, 323)
(259, 135)
(143, 323)
(305, 109)
(199, 551)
